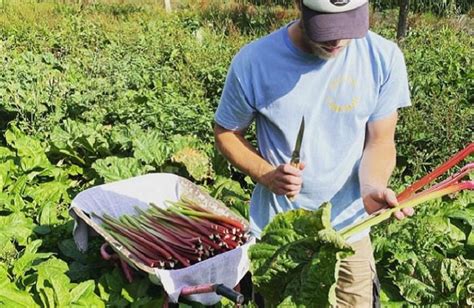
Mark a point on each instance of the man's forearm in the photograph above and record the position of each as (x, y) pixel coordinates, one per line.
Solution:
(378, 162)
(242, 154)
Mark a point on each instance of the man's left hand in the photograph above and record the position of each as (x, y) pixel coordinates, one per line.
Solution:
(376, 199)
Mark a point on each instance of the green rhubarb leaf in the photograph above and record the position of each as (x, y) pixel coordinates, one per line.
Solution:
(53, 192)
(6, 154)
(30, 150)
(110, 287)
(83, 295)
(3, 273)
(296, 262)
(19, 186)
(7, 248)
(80, 141)
(197, 163)
(464, 219)
(29, 257)
(53, 283)
(79, 271)
(150, 148)
(11, 296)
(114, 168)
(16, 227)
(49, 214)
(193, 155)
(69, 248)
(7, 169)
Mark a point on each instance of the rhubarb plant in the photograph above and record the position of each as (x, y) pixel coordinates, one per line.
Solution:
(427, 259)
(296, 262)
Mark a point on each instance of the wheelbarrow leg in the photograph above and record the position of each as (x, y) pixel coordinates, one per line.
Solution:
(247, 289)
(167, 303)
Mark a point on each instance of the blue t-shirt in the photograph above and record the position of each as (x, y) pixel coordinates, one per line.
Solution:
(274, 83)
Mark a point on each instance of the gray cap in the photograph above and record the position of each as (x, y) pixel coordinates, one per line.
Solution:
(327, 20)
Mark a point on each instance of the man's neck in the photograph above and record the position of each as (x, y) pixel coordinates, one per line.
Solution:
(295, 34)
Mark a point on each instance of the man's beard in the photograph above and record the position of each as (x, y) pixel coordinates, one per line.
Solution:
(317, 49)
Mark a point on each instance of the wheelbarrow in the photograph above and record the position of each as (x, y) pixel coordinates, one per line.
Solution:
(204, 282)
(218, 288)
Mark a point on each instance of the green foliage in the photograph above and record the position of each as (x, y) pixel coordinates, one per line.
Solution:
(101, 92)
(429, 257)
(443, 8)
(296, 262)
(238, 19)
(439, 123)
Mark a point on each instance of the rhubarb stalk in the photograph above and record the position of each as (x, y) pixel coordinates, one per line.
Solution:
(412, 189)
(375, 219)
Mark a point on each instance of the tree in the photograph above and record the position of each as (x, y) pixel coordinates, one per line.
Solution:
(168, 5)
(403, 19)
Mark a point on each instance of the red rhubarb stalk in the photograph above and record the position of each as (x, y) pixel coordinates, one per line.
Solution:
(159, 241)
(135, 253)
(408, 192)
(144, 247)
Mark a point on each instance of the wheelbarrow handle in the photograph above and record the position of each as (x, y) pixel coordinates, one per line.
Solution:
(219, 289)
(229, 293)
(107, 255)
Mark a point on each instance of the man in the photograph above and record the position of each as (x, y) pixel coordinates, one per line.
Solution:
(348, 83)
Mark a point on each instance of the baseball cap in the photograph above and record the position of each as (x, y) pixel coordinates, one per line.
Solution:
(327, 20)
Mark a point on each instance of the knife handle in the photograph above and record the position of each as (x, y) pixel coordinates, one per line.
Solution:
(296, 165)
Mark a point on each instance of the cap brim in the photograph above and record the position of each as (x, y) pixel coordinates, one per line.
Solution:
(321, 27)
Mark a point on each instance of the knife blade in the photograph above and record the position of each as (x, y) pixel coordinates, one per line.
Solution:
(295, 156)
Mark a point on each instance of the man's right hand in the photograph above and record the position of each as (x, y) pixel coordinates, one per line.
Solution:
(284, 180)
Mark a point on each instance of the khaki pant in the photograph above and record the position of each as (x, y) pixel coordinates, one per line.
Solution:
(355, 286)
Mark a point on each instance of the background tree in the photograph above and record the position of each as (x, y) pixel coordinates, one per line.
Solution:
(403, 19)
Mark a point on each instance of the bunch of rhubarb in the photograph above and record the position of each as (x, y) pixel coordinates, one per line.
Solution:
(182, 234)
(411, 196)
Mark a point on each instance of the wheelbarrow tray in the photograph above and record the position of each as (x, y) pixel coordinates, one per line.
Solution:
(118, 198)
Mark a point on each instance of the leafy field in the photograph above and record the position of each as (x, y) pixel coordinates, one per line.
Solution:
(92, 94)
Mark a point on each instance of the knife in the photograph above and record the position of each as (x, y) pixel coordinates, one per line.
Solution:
(295, 156)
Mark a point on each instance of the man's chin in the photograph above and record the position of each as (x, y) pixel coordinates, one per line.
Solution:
(324, 55)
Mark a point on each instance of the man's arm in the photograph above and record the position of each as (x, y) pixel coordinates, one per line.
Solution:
(282, 180)
(377, 164)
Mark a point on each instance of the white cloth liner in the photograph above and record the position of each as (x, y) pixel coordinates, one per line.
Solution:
(121, 197)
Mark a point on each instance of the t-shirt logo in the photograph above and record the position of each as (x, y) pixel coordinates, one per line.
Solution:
(340, 2)
(340, 97)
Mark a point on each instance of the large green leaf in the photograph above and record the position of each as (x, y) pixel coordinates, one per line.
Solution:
(6, 169)
(23, 264)
(16, 227)
(192, 153)
(11, 296)
(53, 192)
(115, 168)
(150, 148)
(80, 142)
(6, 153)
(30, 150)
(49, 214)
(7, 248)
(83, 295)
(465, 220)
(197, 163)
(296, 262)
(427, 258)
(53, 283)
(69, 248)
